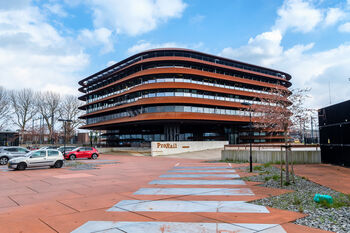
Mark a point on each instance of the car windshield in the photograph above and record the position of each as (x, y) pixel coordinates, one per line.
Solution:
(75, 149)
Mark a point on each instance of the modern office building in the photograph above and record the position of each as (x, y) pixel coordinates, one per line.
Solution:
(177, 95)
(334, 124)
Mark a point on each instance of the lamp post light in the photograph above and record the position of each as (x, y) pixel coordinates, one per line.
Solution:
(250, 136)
(65, 133)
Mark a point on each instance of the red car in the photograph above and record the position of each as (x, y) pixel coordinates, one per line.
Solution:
(82, 152)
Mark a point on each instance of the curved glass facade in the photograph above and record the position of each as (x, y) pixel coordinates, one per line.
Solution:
(173, 94)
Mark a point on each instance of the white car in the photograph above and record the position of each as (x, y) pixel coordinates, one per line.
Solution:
(38, 158)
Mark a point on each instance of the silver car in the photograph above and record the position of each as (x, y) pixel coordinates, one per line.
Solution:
(38, 158)
(10, 152)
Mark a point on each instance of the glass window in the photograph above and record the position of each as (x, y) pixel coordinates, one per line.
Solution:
(187, 109)
(22, 150)
(52, 153)
(11, 149)
(38, 154)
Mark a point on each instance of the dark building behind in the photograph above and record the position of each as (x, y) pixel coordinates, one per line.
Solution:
(9, 138)
(334, 122)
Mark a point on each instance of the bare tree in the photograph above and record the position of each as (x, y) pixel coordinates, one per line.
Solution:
(69, 110)
(276, 111)
(23, 105)
(4, 107)
(48, 105)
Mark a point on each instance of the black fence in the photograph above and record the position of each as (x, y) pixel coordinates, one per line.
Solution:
(334, 122)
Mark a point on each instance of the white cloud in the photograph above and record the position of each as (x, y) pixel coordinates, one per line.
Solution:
(33, 53)
(308, 68)
(13, 4)
(144, 45)
(264, 49)
(111, 63)
(333, 16)
(344, 27)
(100, 36)
(134, 17)
(56, 9)
(298, 15)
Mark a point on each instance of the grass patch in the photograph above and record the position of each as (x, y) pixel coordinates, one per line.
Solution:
(296, 200)
(276, 177)
(266, 165)
(342, 201)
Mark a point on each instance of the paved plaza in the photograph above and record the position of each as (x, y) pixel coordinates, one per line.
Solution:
(139, 194)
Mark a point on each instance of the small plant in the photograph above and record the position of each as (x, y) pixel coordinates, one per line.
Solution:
(286, 183)
(266, 165)
(301, 209)
(267, 178)
(258, 168)
(296, 201)
(276, 177)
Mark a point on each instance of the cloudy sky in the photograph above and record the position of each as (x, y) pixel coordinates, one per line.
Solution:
(51, 44)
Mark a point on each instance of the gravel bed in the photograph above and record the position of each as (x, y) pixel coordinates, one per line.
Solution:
(77, 165)
(334, 217)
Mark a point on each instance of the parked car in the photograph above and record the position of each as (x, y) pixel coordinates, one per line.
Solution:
(82, 152)
(67, 149)
(10, 152)
(48, 147)
(38, 158)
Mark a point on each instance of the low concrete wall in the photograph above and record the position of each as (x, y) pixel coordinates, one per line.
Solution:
(272, 156)
(123, 149)
(169, 148)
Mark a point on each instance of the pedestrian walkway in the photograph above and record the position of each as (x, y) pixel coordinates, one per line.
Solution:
(332, 176)
(190, 197)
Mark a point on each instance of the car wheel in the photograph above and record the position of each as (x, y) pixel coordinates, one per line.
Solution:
(3, 160)
(72, 157)
(21, 166)
(94, 156)
(58, 164)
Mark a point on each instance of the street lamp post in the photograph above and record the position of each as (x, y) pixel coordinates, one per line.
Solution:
(65, 133)
(250, 136)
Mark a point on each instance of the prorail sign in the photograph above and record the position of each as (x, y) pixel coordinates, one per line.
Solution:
(171, 147)
(167, 145)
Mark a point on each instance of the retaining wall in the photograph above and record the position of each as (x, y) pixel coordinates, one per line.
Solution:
(271, 156)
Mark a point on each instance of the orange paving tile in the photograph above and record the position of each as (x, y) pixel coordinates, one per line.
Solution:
(46, 201)
(334, 177)
(294, 228)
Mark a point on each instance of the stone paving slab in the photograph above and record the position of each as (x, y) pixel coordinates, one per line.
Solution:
(204, 171)
(175, 227)
(202, 167)
(188, 206)
(199, 182)
(199, 175)
(194, 191)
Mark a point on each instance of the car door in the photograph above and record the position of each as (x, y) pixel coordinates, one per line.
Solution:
(79, 153)
(87, 152)
(52, 156)
(38, 158)
(13, 151)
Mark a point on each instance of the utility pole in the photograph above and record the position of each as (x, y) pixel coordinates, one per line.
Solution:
(250, 135)
(312, 131)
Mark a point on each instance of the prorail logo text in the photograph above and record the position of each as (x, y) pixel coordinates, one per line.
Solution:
(167, 145)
